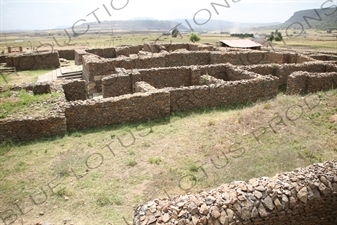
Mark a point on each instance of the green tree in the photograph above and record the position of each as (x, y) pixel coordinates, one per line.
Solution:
(175, 32)
(275, 36)
(270, 37)
(194, 37)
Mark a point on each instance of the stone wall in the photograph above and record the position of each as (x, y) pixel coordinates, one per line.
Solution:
(223, 93)
(103, 52)
(75, 90)
(36, 88)
(156, 47)
(123, 51)
(2, 59)
(324, 57)
(120, 84)
(167, 77)
(306, 196)
(284, 71)
(305, 82)
(32, 128)
(68, 54)
(42, 60)
(78, 56)
(116, 110)
(95, 68)
(143, 87)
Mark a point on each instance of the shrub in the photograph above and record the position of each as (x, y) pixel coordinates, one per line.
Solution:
(194, 37)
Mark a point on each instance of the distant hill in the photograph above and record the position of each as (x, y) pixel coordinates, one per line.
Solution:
(135, 25)
(223, 25)
(165, 25)
(323, 19)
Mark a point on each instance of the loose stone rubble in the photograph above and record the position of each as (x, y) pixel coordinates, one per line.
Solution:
(304, 196)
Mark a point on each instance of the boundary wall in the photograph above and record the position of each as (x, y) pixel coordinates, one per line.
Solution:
(34, 61)
(68, 54)
(126, 108)
(32, 128)
(305, 196)
(305, 82)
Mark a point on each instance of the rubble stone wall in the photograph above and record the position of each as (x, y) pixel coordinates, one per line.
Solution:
(32, 128)
(68, 54)
(123, 51)
(3, 59)
(95, 67)
(116, 110)
(78, 56)
(75, 90)
(305, 82)
(305, 196)
(119, 84)
(167, 77)
(143, 87)
(187, 59)
(284, 71)
(103, 52)
(224, 93)
(36, 88)
(41, 60)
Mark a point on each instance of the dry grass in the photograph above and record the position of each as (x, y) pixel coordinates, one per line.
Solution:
(91, 183)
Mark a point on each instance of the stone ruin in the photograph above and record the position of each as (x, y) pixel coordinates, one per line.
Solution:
(145, 82)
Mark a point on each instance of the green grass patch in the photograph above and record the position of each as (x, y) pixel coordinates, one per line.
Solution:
(155, 160)
(12, 102)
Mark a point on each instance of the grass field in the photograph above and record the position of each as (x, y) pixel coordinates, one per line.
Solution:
(19, 77)
(311, 38)
(97, 176)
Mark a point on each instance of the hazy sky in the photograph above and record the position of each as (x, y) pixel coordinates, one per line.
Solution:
(48, 14)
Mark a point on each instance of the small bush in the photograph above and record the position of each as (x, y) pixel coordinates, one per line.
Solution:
(132, 163)
(156, 160)
(193, 167)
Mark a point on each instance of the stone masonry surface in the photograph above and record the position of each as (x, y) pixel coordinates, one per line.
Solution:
(34, 61)
(305, 196)
(304, 82)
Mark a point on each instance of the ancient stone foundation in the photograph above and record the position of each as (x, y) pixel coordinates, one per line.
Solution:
(151, 81)
(304, 82)
(95, 68)
(34, 61)
(75, 90)
(28, 129)
(37, 88)
(68, 54)
(126, 108)
(306, 196)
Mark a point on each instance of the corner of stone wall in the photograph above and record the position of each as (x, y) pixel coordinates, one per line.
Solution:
(122, 51)
(75, 90)
(297, 83)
